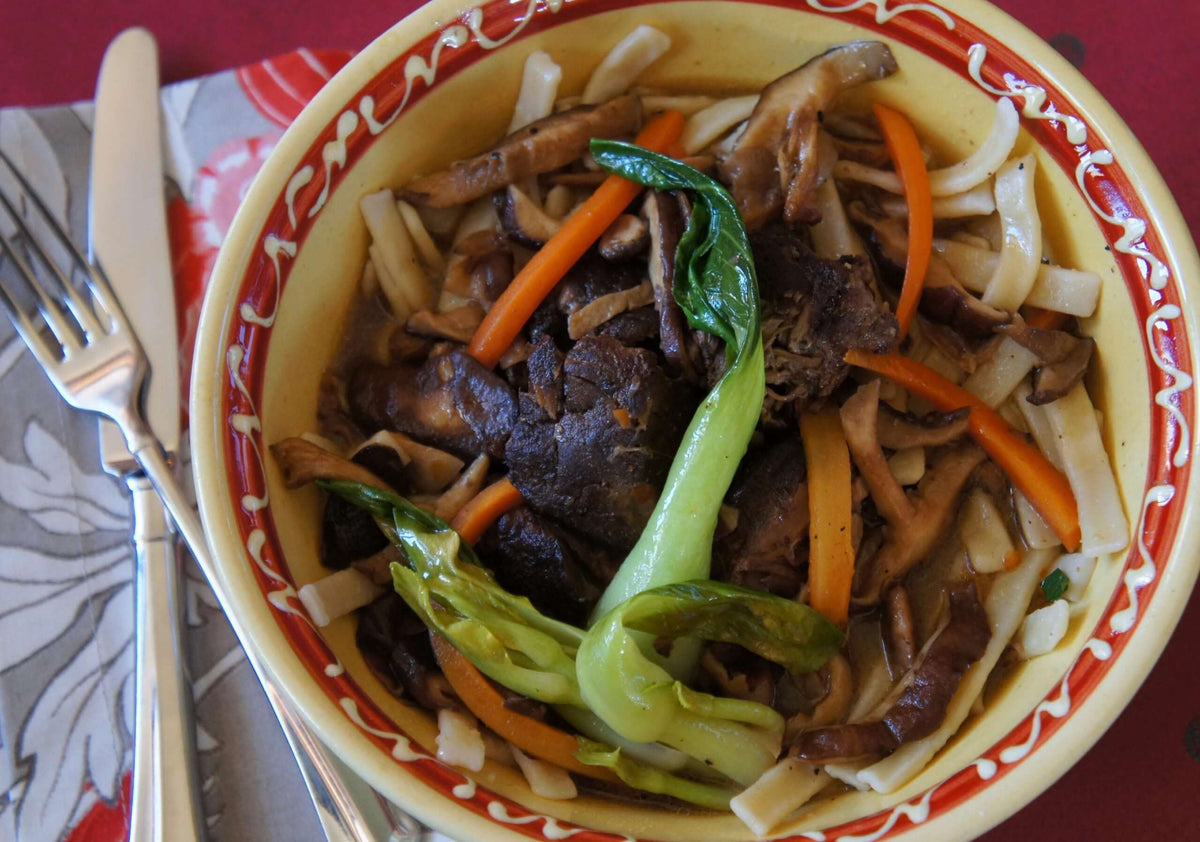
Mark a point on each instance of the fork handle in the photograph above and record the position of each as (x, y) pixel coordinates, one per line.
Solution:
(165, 803)
(340, 816)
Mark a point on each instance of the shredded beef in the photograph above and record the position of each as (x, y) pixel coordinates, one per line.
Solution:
(814, 310)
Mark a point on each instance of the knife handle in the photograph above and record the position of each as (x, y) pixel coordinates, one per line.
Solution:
(165, 802)
(342, 818)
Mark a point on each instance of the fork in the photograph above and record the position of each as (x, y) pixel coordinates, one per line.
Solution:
(97, 364)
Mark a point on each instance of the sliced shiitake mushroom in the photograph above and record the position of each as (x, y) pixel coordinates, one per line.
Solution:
(774, 164)
(540, 147)
(523, 220)
(1063, 357)
(625, 239)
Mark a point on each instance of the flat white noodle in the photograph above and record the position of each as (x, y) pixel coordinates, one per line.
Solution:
(833, 236)
(459, 742)
(1005, 606)
(1021, 250)
(705, 126)
(1063, 290)
(985, 161)
(978, 167)
(1102, 520)
(624, 63)
(392, 251)
(1043, 629)
(978, 201)
(726, 144)
(685, 104)
(1078, 569)
(337, 595)
(545, 779)
(983, 533)
(1039, 424)
(430, 254)
(996, 377)
(539, 88)
(1037, 532)
(781, 790)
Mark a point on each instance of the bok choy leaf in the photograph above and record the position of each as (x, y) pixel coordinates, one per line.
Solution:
(604, 671)
(642, 702)
(717, 289)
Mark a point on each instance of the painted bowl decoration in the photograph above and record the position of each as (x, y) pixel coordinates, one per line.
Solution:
(440, 85)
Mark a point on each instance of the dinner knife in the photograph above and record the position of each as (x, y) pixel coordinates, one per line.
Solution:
(127, 237)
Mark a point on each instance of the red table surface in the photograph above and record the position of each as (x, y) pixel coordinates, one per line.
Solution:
(1142, 779)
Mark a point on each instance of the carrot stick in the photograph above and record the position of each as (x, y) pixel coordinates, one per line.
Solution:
(830, 553)
(1045, 319)
(482, 510)
(526, 733)
(533, 283)
(905, 150)
(1043, 484)
(473, 689)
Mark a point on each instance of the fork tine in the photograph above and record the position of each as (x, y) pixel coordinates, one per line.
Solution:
(48, 307)
(45, 211)
(25, 328)
(84, 315)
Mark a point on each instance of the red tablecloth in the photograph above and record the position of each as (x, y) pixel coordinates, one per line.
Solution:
(1142, 780)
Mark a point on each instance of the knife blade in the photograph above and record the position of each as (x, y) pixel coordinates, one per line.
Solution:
(127, 238)
(127, 225)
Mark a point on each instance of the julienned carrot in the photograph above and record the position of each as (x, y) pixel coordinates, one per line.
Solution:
(482, 510)
(831, 553)
(1043, 484)
(1045, 319)
(533, 283)
(528, 734)
(475, 691)
(905, 150)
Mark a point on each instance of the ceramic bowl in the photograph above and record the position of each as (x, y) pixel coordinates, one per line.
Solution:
(440, 85)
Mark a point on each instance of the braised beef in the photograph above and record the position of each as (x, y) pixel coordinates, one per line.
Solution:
(635, 327)
(769, 546)
(545, 377)
(814, 310)
(921, 707)
(589, 279)
(396, 647)
(561, 573)
(600, 466)
(449, 401)
(349, 533)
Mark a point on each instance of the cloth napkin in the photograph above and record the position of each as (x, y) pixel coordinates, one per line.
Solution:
(66, 562)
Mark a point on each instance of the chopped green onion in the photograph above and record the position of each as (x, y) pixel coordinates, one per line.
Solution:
(1055, 585)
